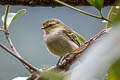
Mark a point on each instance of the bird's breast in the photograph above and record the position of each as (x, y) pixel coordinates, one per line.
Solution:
(58, 43)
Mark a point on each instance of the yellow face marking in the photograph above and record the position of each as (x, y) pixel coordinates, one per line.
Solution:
(49, 24)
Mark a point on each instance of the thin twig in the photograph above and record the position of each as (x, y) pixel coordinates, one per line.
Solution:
(11, 44)
(29, 66)
(81, 11)
(104, 17)
(5, 17)
(17, 55)
(6, 31)
(14, 51)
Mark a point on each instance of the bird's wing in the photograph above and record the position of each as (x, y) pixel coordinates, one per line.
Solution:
(80, 38)
(74, 36)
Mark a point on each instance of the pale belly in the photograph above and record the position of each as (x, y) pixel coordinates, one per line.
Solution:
(59, 45)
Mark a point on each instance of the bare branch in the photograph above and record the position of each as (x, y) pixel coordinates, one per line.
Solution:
(14, 51)
(11, 44)
(27, 65)
(47, 3)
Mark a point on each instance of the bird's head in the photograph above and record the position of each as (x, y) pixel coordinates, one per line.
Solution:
(51, 24)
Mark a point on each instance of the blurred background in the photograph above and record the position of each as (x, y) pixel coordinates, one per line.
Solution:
(28, 37)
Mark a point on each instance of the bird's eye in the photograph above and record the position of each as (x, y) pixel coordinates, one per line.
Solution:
(51, 25)
(57, 22)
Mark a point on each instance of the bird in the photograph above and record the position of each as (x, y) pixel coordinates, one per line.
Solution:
(59, 38)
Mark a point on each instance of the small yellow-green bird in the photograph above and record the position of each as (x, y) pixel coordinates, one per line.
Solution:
(59, 38)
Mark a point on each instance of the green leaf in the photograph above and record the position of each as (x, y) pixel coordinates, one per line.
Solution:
(114, 15)
(13, 16)
(114, 72)
(97, 3)
(51, 75)
(18, 14)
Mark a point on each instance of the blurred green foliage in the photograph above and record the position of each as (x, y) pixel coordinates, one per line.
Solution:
(114, 16)
(114, 72)
(51, 75)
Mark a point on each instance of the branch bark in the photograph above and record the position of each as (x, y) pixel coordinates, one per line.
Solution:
(47, 3)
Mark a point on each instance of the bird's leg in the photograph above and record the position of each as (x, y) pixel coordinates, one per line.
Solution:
(59, 61)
